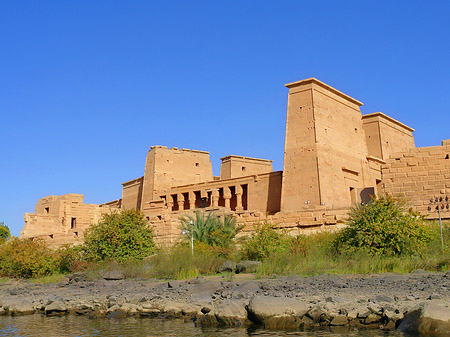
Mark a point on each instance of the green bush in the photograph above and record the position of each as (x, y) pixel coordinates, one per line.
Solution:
(27, 258)
(5, 234)
(267, 241)
(71, 259)
(121, 236)
(211, 229)
(384, 226)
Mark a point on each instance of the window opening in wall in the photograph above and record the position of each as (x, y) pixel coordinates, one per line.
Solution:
(73, 223)
(163, 197)
(197, 164)
(221, 198)
(175, 202)
(446, 157)
(76, 234)
(352, 195)
(243, 168)
(187, 202)
(203, 202)
(244, 196)
(47, 209)
(197, 199)
(209, 202)
(51, 236)
(233, 200)
(159, 217)
(379, 186)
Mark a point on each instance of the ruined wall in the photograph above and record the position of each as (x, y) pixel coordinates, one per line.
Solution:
(165, 168)
(62, 219)
(385, 135)
(132, 194)
(419, 174)
(237, 166)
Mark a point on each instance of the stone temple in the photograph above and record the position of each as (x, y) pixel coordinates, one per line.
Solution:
(334, 157)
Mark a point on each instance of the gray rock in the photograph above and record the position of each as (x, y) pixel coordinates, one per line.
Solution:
(227, 266)
(119, 313)
(231, 312)
(114, 275)
(56, 308)
(18, 306)
(77, 277)
(247, 266)
(202, 292)
(339, 320)
(427, 319)
(246, 288)
(276, 312)
(383, 298)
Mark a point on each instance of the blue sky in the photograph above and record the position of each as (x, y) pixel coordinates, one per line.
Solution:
(86, 87)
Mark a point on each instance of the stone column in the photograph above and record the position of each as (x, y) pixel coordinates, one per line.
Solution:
(215, 197)
(180, 201)
(227, 196)
(191, 200)
(169, 202)
(239, 206)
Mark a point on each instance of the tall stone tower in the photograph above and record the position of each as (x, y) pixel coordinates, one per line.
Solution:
(325, 154)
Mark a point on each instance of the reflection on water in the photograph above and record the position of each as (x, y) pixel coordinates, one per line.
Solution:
(37, 325)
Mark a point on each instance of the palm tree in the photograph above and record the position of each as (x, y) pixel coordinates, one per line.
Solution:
(210, 229)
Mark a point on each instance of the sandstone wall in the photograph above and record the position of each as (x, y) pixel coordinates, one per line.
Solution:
(62, 219)
(237, 166)
(326, 158)
(167, 227)
(132, 194)
(419, 175)
(385, 135)
(166, 168)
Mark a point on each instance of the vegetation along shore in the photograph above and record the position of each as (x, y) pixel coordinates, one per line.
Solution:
(387, 269)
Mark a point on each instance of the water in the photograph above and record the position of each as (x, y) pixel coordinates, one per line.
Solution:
(37, 325)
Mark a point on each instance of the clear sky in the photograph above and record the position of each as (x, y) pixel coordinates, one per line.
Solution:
(86, 87)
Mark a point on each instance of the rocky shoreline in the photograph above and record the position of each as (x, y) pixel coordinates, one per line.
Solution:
(417, 303)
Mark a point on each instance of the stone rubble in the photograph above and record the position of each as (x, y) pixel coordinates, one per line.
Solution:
(416, 303)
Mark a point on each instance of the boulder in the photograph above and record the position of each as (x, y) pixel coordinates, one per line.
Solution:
(227, 266)
(339, 320)
(277, 312)
(57, 308)
(113, 275)
(77, 277)
(202, 292)
(231, 312)
(18, 306)
(247, 266)
(429, 319)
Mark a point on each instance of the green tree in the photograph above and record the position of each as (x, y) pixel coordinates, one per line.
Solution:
(122, 236)
(5, 234)
(211, 229)
(384, 226)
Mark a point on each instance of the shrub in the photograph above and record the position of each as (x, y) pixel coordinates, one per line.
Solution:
(27, 258)
(5, 234)
(211, 230)
(121, 236)
(71, 259)
(266, 241)
(383, 227)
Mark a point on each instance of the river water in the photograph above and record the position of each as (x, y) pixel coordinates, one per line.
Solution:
(37, 325)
